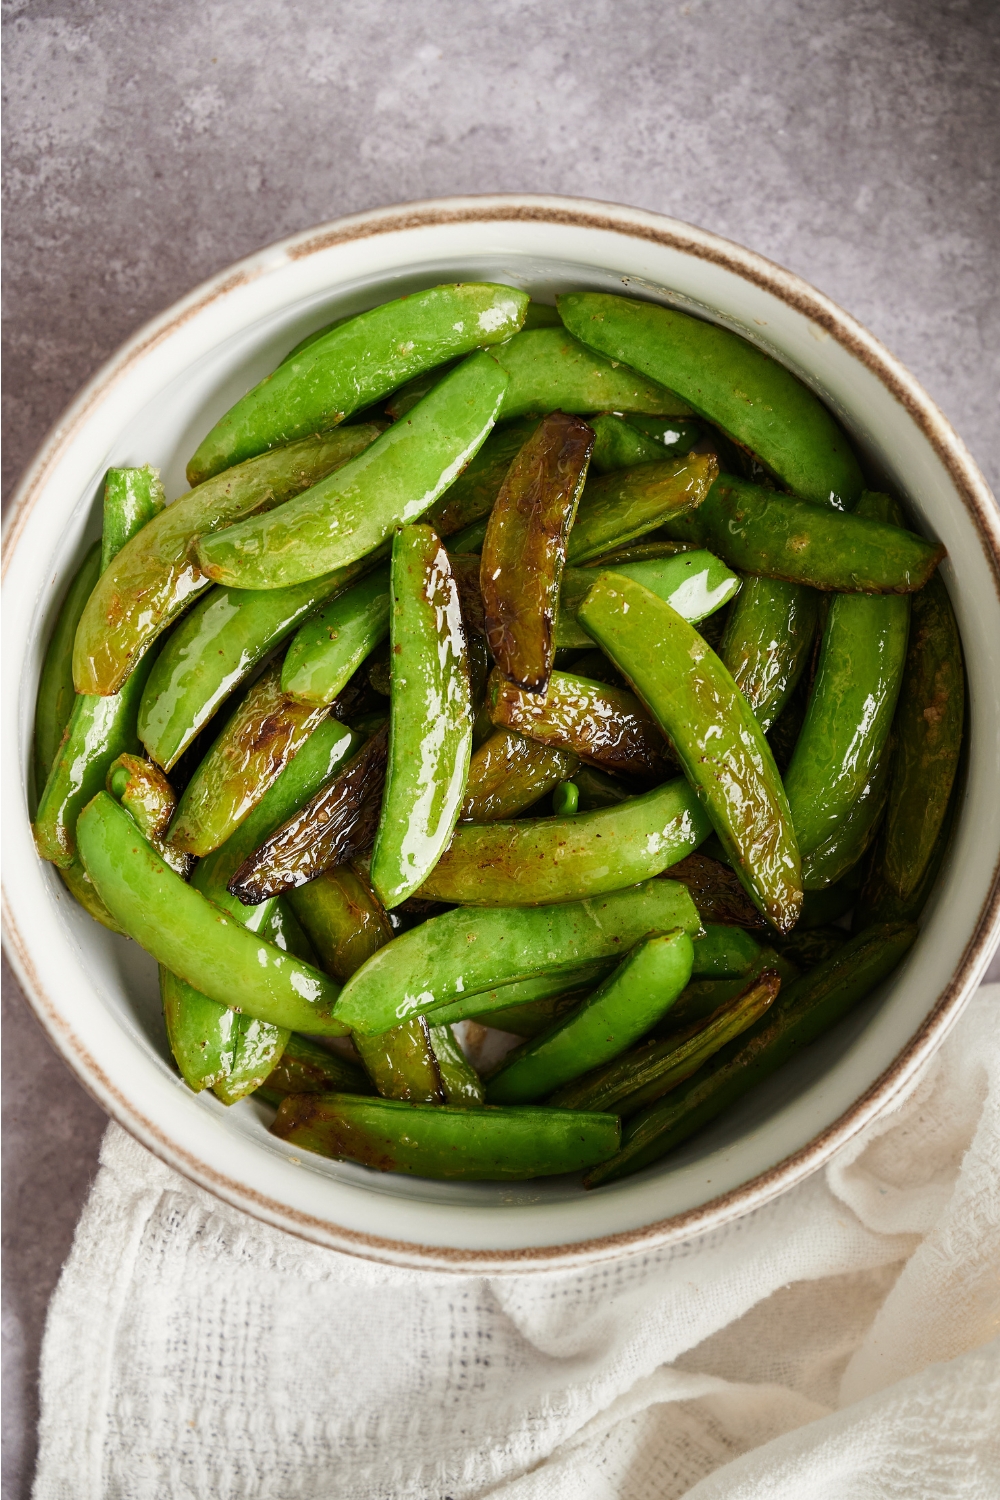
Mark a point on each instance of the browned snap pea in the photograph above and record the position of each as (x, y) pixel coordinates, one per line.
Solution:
(344, 918)
(510, 773)
(716, 891)
(307, 1068)
(621, 507)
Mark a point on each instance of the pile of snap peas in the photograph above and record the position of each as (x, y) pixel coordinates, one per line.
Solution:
(549, 669)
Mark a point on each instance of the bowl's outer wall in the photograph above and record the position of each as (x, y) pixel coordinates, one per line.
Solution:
(96, 994)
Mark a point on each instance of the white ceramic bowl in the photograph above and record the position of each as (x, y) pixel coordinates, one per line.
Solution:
(96, 994)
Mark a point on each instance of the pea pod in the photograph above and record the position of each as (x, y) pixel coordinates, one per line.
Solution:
(307, 1068)
(56, 694)
(717, 740)
(402, 1063)
(344, 918)
(531, 1017)
(809, 947)
(430, 724)
(461, 1085)
(469, 950)
(878, 900)
(470, 539)
(147, 795)
(729, 381)
(620, 507)
(352, 512)
(153, 577)
(330, 647)
(767, 640)
(645, 1074)
(488, 1144)
(193, 938)
(313, 338)
(549, 371)
(355, 364)
(694, 583)
(846, 844)
(469, 499)
(509, 773)
(716, 891)
(538, 315)
(703, 997)
(625, 442)
(803, 1012)
(80, 886)
(631, 1000)
(723, 952)
(535, 861)
(539, 990)
(525, 548)
(132, 497)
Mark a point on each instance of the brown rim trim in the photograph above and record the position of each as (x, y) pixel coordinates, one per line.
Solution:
(792, 1169)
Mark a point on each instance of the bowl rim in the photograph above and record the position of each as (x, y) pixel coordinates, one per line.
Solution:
(970, 487)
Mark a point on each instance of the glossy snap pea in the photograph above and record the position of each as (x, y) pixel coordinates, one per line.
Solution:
(605, 725)
(802, 1013)
(414, 391)
(654, 1068)
(619, 445)
(877, 900)
(729, 381)
(344, 918)
(461, 1085)
(357, 508)
(756, 530)
(723, 952)
(622, 506)
(766, 645)
(509, 773)
(307, 1068)
(153, 578)
(132, 497)
(470, 539)
(540, 990)
(846, 844)
(56, 693)
(251, 752)
(430, 717)
(694, 583)
(469, 499)
(491, 1144)
(525, 548)
(716, 891)
(145, 793)
(594, 789)
(357, 363)
(330, 647)
(535, 861)
(469, 950)
(550, 370)
(192, 937)
(717, 740)
(402, 1062)
(82, 889)
(632, 999)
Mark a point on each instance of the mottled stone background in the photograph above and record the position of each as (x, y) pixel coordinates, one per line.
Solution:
(148, 145)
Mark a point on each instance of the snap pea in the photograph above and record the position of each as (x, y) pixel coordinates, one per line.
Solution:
(703, 997)
(56, 694)
(525, 547)
(808, 947)
(307, 1068)
(357, 508)
(402, 1063)
(535, 861)
(853, 833)
(878, 900)
(717, 740)
(251, 752)
(490, 1144)
(819, 908)
(619, 445)
(469, 950)
(508, 773)
(534, 1016)
(430, 719)
(469, 499)
(147, 795)
(766, 645)
(314, 337)
(461, 1085)
(632, 999)
(355, 364)
(550, 370)
(132, 497)
(659, 546)
(344, 919)
(622, 506)
(647, 1072)
(756, 530)
(802, 1013)
(80, 886)
(723, 952)
(729, 381)
(666, 432)
(694, 583)
(605, 725)
(193, 938)
(414, 391)
(716, 891)
(538, 990)
(153, 578)
(329, 648)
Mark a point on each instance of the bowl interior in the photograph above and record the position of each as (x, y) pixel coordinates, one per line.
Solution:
(97, 994)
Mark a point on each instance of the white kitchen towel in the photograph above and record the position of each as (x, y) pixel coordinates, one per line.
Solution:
(840, 1342)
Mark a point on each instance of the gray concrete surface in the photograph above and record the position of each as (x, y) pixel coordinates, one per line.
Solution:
(854, 141)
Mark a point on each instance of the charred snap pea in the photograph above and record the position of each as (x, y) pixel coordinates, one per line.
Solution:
(594, 789)
(394, 481)
(693, 583)
(344, 918)
(538, 860)
(488, 1144)
(192, 937)
(716, 891)
(355, 364)
(846, 844)
(470, 950)
(653, 1069)
(132, 497)
(430, 723)
(469, 499)
(625, 505)
(723, 952)
(550, 370)
(719, 743)
(541, 990)
(803, 1012)
(329, 648)
(145, 793)
(634, 998)
(509, 773)
(729, 381)
(307, 1068)
(525, 547)
(767, 640)
(56, 693)
(153, 578)
(878, 900)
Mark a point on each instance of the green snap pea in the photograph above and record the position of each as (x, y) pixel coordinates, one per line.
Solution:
(132, 497)
(461, 1085)
(430, 722)
(344, 918)
(56, 693)
(313, 338)
(723, 952)
(549, 371)
(703, 997)
(153, 577)
(878, 900)
(846, 844)
(620, 507)
(508, 773)
(470, 539)
(632, 999)
(193, 938)
(541, 993)
(307, 1068)
(808, 947)
(145, 793)
(330, 647)
(468, 500)
(766, 645)
(357, 363)
(357, 508)
(80, 886)
(470, 949)
(490, 1144)
(660, 546)
(414, 391)
(729, 381)
(251, 752)
(402, 1062)
(801, 1014)
(694, 583)
(525, 548)
(536, 861)
(718, 742)
(619, 445)
(716, 891)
